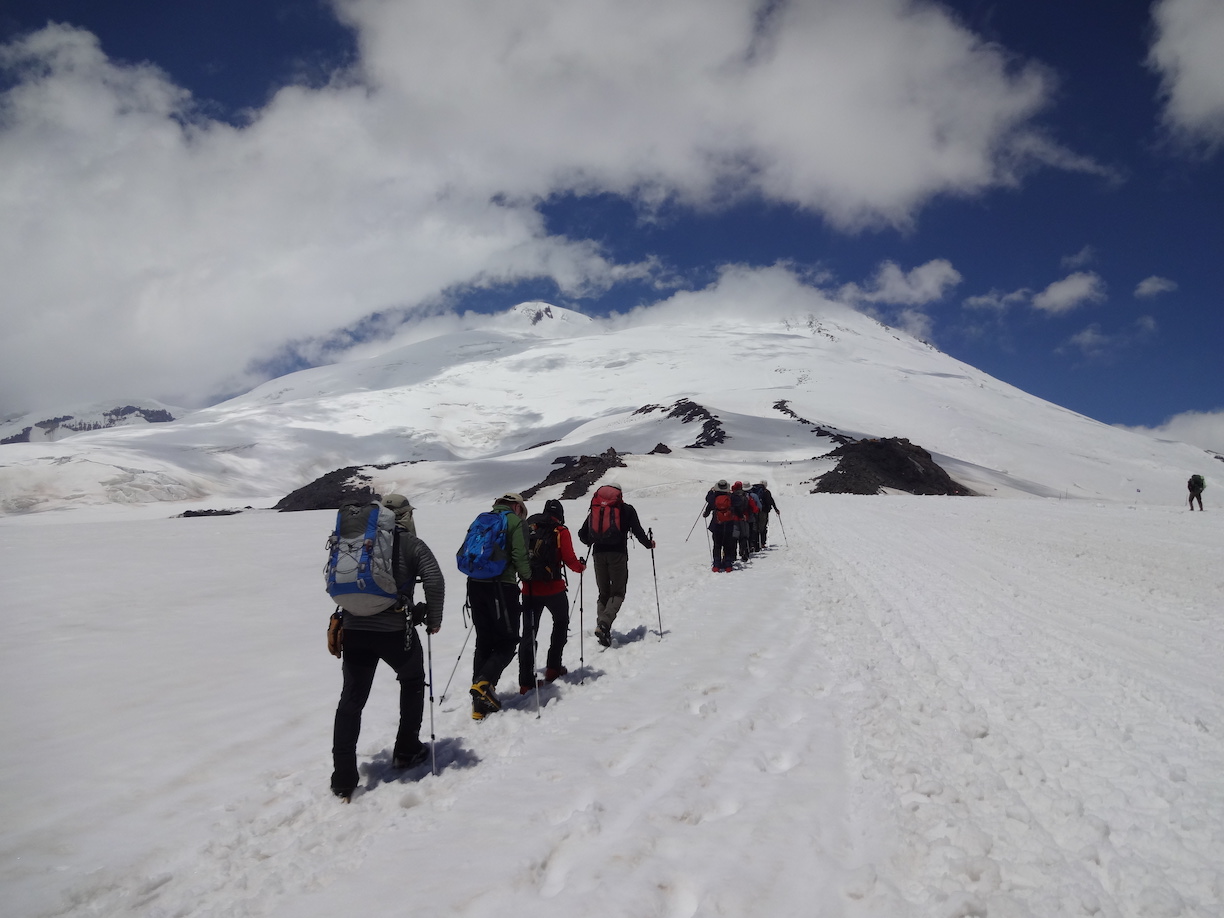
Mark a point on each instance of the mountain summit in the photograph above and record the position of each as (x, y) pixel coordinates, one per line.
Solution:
(496, 406)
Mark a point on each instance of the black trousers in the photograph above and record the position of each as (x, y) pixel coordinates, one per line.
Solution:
(722, 534)
(495, 616)
(558, 605)
(362, 651)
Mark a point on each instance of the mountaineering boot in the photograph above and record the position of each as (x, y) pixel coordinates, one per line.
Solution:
(483, 699)
(603, 634)
(410, 759)
(552, 674)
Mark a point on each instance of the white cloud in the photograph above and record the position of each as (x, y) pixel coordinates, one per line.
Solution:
(997, 300)
(740, 292)
(1154, 286)
(917, 323)
(1070, 293)
(1085, 256)
(1094, 343)
(1204, 429)
(927, 283)
(148, 249)
(1186, 53)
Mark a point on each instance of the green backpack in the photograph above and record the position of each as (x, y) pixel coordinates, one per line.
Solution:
(1197, 483)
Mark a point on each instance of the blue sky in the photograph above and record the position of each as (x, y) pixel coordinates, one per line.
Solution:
(218, 190)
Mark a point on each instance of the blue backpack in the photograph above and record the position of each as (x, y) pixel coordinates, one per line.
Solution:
(483, 555)
(361, 559)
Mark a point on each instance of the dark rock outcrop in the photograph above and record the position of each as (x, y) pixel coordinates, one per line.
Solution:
(329, 492)
(689, 411)
(577, 473)
(349, 485)
(867, 466)
(783, 406)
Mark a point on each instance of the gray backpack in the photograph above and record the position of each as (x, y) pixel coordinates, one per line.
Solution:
(362, 559)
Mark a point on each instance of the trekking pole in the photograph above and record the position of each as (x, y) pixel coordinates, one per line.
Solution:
(535, 649)
(433, 739)
(655, 571)
(535, 646)
(581, 625)
(467, 637)
(694, 526)
(785, 540)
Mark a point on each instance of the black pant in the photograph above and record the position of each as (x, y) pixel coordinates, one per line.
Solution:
(558, 605)
(495, 616)
(724, 544)
(362, 651)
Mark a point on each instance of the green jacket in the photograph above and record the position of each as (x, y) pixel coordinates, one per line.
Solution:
(516, 541)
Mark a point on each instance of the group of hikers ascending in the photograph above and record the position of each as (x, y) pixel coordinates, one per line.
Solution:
(739, 521)
(515, 566)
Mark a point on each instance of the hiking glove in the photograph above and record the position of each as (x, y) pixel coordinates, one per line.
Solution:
(335, 634)
(418, 613)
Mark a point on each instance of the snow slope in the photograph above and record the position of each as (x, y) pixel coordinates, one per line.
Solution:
(476, 404)
(908, 706)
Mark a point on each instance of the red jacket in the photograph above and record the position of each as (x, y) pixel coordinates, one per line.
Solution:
(552, 587)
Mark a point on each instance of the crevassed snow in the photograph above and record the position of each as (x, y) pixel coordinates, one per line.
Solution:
(908, 706)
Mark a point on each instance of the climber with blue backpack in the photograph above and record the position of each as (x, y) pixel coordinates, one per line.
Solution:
(374, 562)
(493, 555)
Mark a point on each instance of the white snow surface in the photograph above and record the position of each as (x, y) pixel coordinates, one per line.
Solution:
(475, 405)
(906, 707)
(951, 707)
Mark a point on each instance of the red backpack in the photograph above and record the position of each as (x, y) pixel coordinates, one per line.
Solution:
(605, 520)
(722, 508)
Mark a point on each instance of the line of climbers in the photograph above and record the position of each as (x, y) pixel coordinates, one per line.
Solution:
(739, 521)
(515, 566)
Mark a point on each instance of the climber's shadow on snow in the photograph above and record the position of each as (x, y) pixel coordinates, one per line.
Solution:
(630, 637)
(582, 675)
(450, 753)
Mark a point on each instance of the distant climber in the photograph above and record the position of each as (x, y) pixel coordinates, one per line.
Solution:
(1195, 486)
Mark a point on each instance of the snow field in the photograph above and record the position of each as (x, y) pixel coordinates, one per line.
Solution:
(909, 706)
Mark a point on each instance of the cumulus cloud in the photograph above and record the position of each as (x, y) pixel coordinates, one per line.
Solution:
(1095, 344)
(1204, 429)
(150, 249)
(1084, 257)
(740, 292)
(1154, 286)
(1070, 293)
(924, 284)
(1186, 54)
(998, 301)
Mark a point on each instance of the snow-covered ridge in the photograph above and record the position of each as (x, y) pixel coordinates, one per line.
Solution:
(476, 403)
(46, 426)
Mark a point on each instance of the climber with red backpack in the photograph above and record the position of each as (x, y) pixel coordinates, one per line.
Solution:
(722, 526)
(607, 528)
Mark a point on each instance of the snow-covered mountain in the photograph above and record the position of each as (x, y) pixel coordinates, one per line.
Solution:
(44, 426)
(495, 406)
(906, 707)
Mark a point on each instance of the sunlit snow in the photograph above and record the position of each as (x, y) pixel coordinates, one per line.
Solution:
(908, 706)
